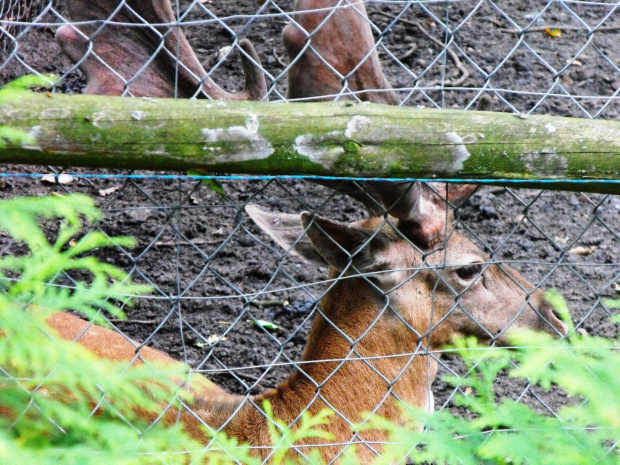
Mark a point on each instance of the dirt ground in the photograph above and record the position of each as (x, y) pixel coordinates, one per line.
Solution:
(206, 260)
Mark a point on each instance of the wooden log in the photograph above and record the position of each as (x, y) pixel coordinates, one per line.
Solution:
(324, 139)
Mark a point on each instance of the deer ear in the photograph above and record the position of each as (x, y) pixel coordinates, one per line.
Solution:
(287, 231)
(456, 194)
(340, 244)
(429, 215)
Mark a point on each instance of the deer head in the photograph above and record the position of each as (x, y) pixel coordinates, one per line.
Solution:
(413, 262)
(332, 51)
(146, 55)
(403, 284)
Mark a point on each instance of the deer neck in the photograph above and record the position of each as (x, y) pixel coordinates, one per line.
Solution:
(373, 369)
(373, 365)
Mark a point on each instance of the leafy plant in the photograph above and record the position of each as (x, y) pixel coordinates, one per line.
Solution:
(58, 403)
(510, 432)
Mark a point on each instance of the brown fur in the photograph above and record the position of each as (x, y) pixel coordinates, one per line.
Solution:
(116, 59)
(341, 38)
(354, 315)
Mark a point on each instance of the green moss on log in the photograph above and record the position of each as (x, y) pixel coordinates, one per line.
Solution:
(336, 139)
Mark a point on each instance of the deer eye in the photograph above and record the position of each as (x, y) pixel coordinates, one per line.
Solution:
(467, 273)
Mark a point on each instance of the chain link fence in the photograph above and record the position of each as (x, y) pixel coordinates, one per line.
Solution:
(228, 300)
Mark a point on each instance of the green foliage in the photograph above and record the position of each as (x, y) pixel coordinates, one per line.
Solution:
(509, 432)
(11, 137)
(28, 81)
(33, 271)
(211, 183)
(284, 438)
(58, 403)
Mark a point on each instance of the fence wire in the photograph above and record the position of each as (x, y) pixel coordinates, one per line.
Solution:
(217, 277)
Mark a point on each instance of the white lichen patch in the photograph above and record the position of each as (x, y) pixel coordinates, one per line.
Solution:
(469, 139)
(158, 150)
(102, 120)
(33, 139)
(545, 162)
(245, 142)
(314, 147)
(55, 113)
(358, 124)
(153, 124)
(458, 149)
(367, 132)
(549, 128)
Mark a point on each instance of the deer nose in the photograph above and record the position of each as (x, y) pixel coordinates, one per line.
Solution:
(552, 323)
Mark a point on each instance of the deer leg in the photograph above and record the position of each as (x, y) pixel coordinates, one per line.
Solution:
(144, 60)
(327, 46)
(330, 42)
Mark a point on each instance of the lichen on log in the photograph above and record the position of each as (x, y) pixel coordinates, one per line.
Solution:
(324, 139)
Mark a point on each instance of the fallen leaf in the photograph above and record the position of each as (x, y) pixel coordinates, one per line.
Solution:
(108, 191)
(215, 338)
(60, 179)
(222, 52)
(211, 183)
(579, 250)
(268, 325)
(553, 32)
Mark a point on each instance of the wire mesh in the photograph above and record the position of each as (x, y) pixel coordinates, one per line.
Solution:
(216, 275)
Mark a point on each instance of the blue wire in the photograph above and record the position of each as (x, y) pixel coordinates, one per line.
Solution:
(337, 178)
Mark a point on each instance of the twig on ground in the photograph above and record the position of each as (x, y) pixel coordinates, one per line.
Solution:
(408, 53)
(136, 322)
(279, 59)
(175, 243)
(561, 27)
(269, 303)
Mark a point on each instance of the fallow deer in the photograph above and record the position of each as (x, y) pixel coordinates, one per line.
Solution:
(403, 286)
